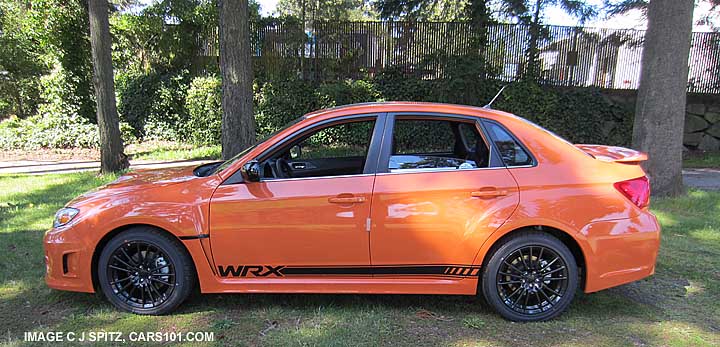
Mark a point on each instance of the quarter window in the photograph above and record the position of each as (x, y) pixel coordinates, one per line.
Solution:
(511, 152)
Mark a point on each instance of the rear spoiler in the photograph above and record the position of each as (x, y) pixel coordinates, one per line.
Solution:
(614, 154)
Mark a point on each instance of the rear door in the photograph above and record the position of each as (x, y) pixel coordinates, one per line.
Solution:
(439, 193)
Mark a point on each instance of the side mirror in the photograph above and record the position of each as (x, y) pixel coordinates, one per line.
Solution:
(295, 152)
(251, 171)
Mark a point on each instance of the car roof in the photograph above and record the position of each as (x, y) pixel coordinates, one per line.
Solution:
(406, 106)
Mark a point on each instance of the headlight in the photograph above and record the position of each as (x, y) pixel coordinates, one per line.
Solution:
(64, 216)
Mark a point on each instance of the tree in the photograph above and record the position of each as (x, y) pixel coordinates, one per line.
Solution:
(238, 122)
(20, 64)
(326, 10)
(112, 158)
(660, 107)
(530, 12)
(428, 10)
(474, 11)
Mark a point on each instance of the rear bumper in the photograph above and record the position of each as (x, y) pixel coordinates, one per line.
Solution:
(623, 251)
(68, 262)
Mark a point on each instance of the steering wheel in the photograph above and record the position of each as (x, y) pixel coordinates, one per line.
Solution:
(282, 169)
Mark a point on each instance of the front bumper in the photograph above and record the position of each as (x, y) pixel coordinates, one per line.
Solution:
(622, 251)
(68, 261)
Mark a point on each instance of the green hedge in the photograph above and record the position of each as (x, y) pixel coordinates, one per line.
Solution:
(204, 107)
(154, 104)
(581, 115)
(174, 106)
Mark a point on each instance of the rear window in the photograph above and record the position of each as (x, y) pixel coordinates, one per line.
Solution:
(511, 152)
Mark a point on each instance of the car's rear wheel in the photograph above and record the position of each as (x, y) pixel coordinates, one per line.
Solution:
(145, 271)
(531, 277)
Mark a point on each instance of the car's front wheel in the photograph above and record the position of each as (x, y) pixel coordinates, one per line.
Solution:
(146, 271)
(531, 277)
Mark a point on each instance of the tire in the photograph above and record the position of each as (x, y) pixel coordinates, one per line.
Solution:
(145, 271)
(524, 282)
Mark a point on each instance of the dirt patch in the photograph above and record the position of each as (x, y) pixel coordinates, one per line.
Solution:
(50, 154)
(657, 291)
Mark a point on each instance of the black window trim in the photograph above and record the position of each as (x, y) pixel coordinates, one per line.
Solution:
(522, 145)
(383, 164)
(372, 154)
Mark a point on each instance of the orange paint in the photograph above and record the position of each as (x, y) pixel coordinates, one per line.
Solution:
(423, 220)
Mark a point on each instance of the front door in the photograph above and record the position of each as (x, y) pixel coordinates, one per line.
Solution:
(442, 195)
(308, 214)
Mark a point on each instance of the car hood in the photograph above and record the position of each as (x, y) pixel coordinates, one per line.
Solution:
(139, 180)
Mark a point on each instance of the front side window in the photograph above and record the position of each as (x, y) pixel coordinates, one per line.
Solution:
(334, 150)
(420, 144)
(511, 152)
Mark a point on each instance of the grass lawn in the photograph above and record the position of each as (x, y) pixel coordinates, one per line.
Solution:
(699, 159)
(169, 151)
(679, 306)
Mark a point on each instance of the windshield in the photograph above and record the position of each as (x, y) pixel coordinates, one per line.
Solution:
(232, 160)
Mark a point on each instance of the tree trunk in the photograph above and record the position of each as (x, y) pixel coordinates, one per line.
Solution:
(112, 158)
(238, 122)
(477, 10)
(532, 69)
(660, 108)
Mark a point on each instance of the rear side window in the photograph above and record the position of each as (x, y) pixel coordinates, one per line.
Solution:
(422, 136)
(511, 152)
(427, 145)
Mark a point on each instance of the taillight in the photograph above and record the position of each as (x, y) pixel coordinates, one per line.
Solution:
(637, 190)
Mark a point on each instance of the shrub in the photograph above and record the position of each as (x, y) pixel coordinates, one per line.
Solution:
(346, 92)
(154, 104)
(204, 107)
(52, 130)
(582, 115)
(57, 123)
(278, 103)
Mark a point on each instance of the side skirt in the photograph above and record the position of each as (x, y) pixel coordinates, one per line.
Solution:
(382, 279)
(346, 285)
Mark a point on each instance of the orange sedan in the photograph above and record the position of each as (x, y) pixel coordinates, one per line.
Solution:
(399, 197)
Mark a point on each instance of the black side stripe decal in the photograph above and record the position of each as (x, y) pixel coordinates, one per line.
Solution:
(193, 237)
(281, 271)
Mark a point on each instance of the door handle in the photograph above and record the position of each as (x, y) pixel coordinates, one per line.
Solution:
(347, 200)
(489, 193)
(298, 166)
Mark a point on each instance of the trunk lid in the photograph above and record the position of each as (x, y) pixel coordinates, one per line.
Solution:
(614, 154)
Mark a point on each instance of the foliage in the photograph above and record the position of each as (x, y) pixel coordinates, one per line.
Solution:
(531, 13)
(61, 29)
(204, 107)
(20, 67)
(580, 115)
(163, 36)
(57, 123)
(326, 10)
(58, 130)
(154, 103)
(346, 92)
(426, 10)
(278, 103)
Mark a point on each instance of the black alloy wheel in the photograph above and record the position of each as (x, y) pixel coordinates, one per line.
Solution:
(145, 271)
(531, 277)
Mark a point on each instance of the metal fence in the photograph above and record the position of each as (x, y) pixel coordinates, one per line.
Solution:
(569, 56)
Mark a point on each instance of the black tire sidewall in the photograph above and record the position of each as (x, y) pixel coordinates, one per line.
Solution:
(489, 279)
(172, 248)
